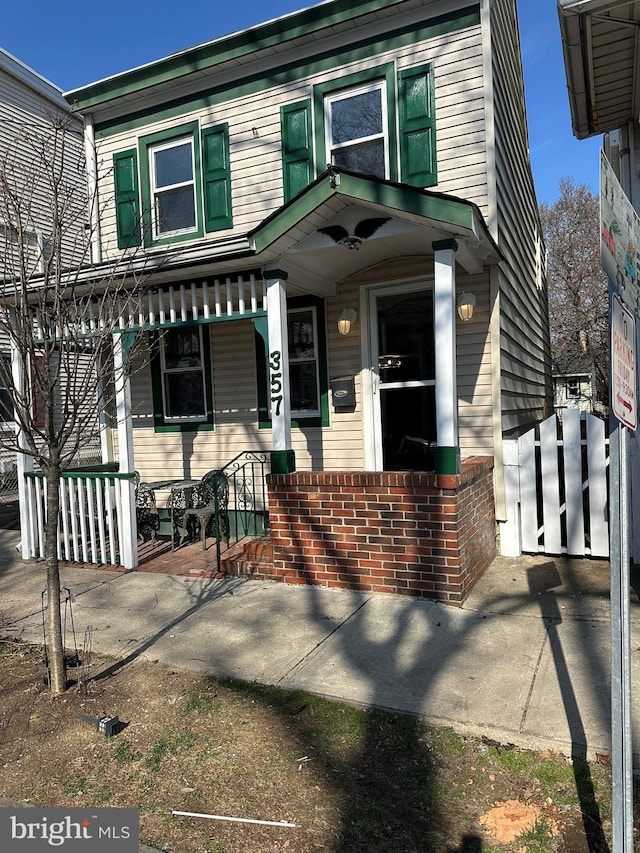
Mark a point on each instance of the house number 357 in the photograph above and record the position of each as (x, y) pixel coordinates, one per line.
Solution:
(275, 368)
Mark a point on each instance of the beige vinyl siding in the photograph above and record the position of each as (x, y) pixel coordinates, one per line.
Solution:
(340, 446)
(344, 441)
(254, 131)
(525, 355)
(191, 454)
(473, 354)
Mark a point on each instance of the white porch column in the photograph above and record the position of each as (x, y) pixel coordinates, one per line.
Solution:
(282, 456)
(129, 536)
(448, 449)
(24, 462)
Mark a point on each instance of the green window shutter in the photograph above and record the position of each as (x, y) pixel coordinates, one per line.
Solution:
(417, 127)
(125, 172)
(216, 178)
(297, 147)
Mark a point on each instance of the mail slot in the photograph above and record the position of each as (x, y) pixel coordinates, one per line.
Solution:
(343, 392)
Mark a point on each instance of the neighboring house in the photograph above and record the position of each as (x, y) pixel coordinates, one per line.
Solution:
(310, 201)
(574, 381)
(29, 108)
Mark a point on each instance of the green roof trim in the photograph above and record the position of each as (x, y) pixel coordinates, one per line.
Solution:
(449, 211)
(250, 41)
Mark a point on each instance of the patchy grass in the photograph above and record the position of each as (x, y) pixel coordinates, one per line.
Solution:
(352, 780)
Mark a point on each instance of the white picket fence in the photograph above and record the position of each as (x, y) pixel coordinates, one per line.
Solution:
(556, 489)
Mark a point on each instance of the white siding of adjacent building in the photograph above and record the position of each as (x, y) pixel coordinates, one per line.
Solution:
(28, 107)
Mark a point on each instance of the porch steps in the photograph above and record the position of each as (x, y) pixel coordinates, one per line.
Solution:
(248, 558)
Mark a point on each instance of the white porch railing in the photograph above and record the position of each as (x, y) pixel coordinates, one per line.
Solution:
(166, 305)
(91, 524)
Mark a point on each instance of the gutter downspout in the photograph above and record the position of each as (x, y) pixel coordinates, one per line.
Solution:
(92, 188)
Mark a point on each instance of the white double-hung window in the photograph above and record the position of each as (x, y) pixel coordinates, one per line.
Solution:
(356, 129)
(173, 187)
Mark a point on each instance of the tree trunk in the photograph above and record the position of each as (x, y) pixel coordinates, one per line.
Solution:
(55, 640)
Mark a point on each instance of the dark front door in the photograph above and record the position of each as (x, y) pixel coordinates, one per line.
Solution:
(403, 356)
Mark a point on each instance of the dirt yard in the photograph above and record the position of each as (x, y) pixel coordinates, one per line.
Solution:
(350, 780)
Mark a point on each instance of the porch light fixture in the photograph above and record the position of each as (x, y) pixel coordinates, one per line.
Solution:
(466, 304)
(345, 320)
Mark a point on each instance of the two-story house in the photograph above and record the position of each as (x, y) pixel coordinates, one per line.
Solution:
(335, 218)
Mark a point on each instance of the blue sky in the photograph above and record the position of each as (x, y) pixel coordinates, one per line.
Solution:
(72, 43)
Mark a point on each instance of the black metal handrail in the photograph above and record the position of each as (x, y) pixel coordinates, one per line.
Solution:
(248, 506)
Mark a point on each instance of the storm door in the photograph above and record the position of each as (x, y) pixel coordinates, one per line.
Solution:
(403, 377)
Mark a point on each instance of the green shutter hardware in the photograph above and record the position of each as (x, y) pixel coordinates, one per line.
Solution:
(297, 148)
(216, 178)
(417, 127)
(125, 177)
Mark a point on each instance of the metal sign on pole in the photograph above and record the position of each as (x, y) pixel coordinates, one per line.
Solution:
(620, 243)
(623, 363)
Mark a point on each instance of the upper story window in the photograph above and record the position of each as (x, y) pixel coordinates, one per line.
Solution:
(173, 187)
(32, 253)
(379, 122)
(356, 128)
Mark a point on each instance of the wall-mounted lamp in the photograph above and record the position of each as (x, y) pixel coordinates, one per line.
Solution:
(466, 304)
(345, 320)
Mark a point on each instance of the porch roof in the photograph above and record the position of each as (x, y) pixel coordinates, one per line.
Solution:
(411, 220)
(294, 238)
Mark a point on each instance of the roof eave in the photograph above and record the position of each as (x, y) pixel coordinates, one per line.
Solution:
(209, 54)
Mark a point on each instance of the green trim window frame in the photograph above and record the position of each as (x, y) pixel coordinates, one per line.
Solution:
(185, 184)
(356, 86)
(171, 192)
(306, 329)
(181, 379)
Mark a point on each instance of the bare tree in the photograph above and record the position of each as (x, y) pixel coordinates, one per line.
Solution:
(578, 292)
(58, 316)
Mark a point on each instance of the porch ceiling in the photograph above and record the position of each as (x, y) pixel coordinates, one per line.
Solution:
(409, 221)
(601, 44)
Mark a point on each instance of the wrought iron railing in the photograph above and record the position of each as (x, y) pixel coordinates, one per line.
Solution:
(248, 505)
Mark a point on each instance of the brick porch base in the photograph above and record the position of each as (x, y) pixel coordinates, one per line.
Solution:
(411, 533)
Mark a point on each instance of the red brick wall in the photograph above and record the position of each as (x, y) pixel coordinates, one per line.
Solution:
(404, 532)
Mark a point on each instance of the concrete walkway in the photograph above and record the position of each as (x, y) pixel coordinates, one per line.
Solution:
(525, 661)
